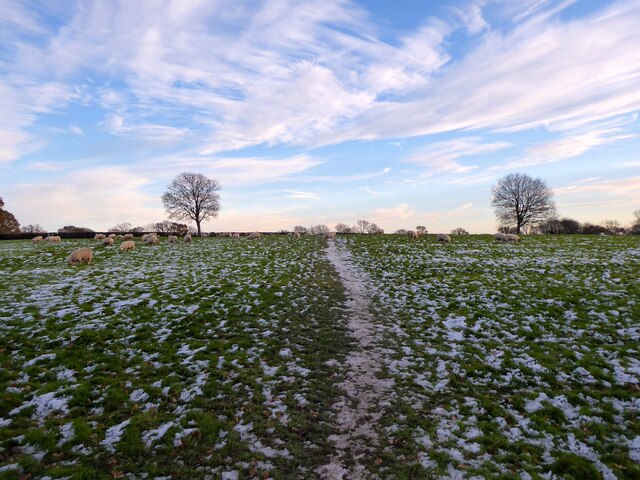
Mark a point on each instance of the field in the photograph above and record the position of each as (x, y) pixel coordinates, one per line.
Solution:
(229, 358)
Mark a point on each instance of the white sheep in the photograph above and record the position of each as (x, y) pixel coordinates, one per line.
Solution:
(37, 239)
(499, 237)
(119, 237)
(172, 239)
(53, 238)
(413, 235)
(128, 236)
(187, 238)
(107, 242)
(99, 236)
(111, 235)
(443, 237)
(328, 235)
(81, 255)
(127, 245)
(510, 237)
(296, 235)
(151, 239)
(255, 235)
(235, 235)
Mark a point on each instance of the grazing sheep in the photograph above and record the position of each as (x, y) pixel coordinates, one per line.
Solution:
(144, 237)
(107, 242)
(499, 237)
(172, 239)
(53, 238)
(81, 255)
(413, 235)
(127, 245)
(128, 236)
(328, 235)
(37, 239)
(187, 238)
(151, 239)
(99, 236)
(235, 235)
(296, 236)
(510, 237)
(119, 237)
(254, 235)
(443, 237)
(111, 235)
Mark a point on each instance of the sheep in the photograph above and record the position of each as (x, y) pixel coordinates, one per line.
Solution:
(328, 235)
(107, 242)
(510, 237)
(128, 236)
(53, 238)
(37, 239)
(151, 239)
(187, 238)
(255, 235)
(443, 237)
(499, 237)
(111, 235)
(235, 235)
(81, 255)
(127, 245)
(296, 235)
(99, 236)
(119, 237)
(413, 235)
(172, 239)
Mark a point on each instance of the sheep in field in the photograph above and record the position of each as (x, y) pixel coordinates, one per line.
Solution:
(413, 235)
(128, 236)
(107, 242)
(172, 239)
(111, 235)
(53, 238)
(254, 235)
(328, 235)
(127, 245)
(151, 239)
(499, 237)
(510, 237)
(187, 238)
(119, 237)
(296, 236)
(235, 235)
(99, 236)
(443, 237)
(37, 239)
(81, 255)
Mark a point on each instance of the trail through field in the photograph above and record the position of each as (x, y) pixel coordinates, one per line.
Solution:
(365, 393)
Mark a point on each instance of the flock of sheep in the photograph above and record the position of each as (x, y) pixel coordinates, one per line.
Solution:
(85, 254)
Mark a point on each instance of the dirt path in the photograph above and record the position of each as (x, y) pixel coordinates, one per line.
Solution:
(366, 395)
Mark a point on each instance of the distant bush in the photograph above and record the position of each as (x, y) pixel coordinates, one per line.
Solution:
(74, 229)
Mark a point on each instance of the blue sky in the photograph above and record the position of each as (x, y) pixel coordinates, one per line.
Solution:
(400, 112)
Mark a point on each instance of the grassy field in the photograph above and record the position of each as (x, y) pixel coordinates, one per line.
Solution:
(509, 359)
(222, 358)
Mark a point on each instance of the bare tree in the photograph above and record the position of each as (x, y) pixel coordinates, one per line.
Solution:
(192, 196)
(33, 229)
(374, 229)
(123, 227)
(635, 226)
(300, 229)
(520, 200)
(318, 229)
(343, 228)
(421, 229)
(361, 226)
(459, 231)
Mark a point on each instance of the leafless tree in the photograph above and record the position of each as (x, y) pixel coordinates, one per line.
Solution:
(374, 229)
(318, 229)
(192, 196)
(300, 229)
(123, 227)
(361, 226)
(421, 229)
(635, 226)
(343, 228)
(520, 200)
(459, 231)
(401, 231)
(33, 229)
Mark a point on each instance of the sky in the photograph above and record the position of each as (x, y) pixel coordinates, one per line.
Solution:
(402, 112)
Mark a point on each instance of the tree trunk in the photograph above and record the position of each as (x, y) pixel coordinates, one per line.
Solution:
(199, 232)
